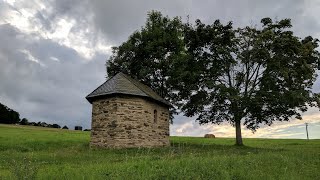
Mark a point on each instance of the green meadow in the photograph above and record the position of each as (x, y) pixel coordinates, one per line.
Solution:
(42, 153)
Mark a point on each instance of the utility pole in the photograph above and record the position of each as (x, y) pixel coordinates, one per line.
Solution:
(307, 131)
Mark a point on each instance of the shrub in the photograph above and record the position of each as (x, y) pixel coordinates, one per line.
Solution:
(55, 126)
(24, 121)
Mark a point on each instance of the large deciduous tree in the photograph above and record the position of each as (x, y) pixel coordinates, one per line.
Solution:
(148, 53)
(248, 76)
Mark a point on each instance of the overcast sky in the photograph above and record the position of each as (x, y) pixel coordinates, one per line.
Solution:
(53, 53)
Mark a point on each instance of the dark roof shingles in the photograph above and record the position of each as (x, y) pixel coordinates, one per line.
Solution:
(123, 84)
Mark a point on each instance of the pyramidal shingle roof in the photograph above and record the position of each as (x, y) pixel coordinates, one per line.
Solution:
(123, 84)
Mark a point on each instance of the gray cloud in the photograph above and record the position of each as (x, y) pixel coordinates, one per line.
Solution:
(52, 92)
(118, 19)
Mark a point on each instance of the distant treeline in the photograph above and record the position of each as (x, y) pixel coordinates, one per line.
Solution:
(9, 116)
(25, 121)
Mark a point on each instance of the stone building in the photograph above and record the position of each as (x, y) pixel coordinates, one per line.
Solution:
(127, 113)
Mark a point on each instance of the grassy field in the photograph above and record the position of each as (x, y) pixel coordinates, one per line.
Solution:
(42, 153)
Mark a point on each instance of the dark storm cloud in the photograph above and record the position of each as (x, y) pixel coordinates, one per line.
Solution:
(48, 90)
(118, 19)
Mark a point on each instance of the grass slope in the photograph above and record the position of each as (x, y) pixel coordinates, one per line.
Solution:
(43, 153)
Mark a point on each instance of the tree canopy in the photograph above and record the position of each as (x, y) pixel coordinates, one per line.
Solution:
(250, 75)
(149, 53)
(8, 116)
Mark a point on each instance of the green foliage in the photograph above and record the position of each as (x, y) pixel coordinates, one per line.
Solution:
(148, 53)
(8, 116)
(47, 153)
(24, 121)
(250, 75)
(55, 126)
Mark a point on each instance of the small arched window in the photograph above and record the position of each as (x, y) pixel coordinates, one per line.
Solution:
(155, 116)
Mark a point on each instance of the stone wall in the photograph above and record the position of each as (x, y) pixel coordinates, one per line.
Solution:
(128, 121)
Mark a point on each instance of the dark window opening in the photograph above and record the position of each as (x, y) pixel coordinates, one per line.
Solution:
(155, 118)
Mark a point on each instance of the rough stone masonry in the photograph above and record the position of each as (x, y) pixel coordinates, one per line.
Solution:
(126, 113)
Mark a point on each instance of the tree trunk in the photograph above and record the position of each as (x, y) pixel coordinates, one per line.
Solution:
(238, 133)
